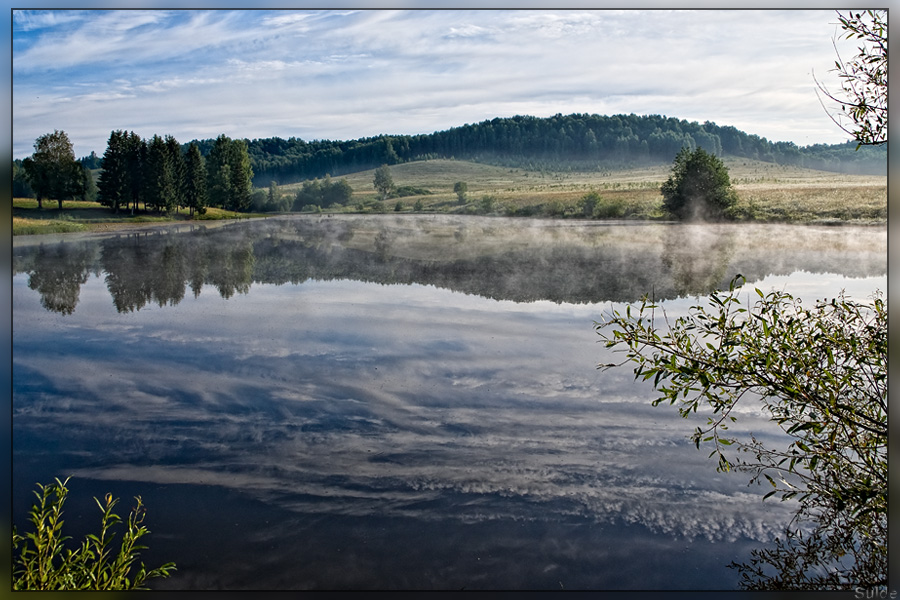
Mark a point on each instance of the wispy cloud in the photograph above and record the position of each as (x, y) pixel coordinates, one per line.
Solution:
(348, 74)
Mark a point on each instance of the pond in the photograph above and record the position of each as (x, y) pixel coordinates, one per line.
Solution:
(395, 402)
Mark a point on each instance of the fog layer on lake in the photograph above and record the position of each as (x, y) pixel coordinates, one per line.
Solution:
(397, 402)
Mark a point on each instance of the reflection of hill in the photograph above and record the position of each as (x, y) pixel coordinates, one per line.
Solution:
(495, 258)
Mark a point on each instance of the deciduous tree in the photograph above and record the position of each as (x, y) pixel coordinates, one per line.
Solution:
(52, 170)
(383, 181)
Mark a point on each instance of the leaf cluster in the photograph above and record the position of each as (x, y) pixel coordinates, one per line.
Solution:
(820, 373)
(863, 78)
(45, 563)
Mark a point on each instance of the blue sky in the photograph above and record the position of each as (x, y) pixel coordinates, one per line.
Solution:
(345, 74)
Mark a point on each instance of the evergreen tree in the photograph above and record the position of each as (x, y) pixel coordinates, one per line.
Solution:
(89, 186)
(114, 185)
(219, 172)
(195, 181)
(136, 156)
(177, 164)
(159, 180)
(241, 176)
(230, 174)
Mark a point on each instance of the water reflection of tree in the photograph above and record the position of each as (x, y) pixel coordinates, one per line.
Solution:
(233, 270)
(58, 273)
(128, 264)
(686, 260)
(141, 270)
(698, 256)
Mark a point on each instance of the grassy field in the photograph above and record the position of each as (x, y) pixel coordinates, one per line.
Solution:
(766, 193)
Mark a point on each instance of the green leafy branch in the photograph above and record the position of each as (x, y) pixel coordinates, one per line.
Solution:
(45, 563)
(819, 372)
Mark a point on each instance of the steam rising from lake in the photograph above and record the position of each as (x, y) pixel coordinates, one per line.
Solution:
(437, 373)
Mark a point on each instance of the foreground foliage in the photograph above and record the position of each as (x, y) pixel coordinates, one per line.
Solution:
(44, 562)
(821, 375)
(862, 101)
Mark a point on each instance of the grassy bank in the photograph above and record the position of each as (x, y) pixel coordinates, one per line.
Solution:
(766, 193)
(78, 216)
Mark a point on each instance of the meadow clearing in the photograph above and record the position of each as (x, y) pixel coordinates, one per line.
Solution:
(766, 193)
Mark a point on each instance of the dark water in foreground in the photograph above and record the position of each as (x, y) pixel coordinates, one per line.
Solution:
(383, 402)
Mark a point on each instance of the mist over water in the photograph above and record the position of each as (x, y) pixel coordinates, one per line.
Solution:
(395, 402)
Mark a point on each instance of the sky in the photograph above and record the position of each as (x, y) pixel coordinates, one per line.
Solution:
(352, 73)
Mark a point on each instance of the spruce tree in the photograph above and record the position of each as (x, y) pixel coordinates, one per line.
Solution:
(159, 182)
(195, 181)
(219, 172)
(177, 165)
(114, 185)
(136, 156)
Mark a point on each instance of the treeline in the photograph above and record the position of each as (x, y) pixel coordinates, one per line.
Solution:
(164, 176)
(555, 143)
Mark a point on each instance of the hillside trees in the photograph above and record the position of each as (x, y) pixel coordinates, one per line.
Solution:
(52, 170)
(582, 140)
(699, 187)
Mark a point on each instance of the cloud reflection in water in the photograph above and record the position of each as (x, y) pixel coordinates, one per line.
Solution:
(359, 399)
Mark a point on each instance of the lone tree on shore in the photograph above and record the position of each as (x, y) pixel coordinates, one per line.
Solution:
(699, 187)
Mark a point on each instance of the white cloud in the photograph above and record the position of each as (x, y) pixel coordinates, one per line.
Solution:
(350, 74)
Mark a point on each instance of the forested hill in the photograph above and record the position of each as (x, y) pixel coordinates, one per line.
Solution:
(578, 141)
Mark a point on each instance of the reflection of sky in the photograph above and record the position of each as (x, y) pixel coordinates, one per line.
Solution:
(360, 400)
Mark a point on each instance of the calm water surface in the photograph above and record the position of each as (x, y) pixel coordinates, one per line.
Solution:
(394, 402)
